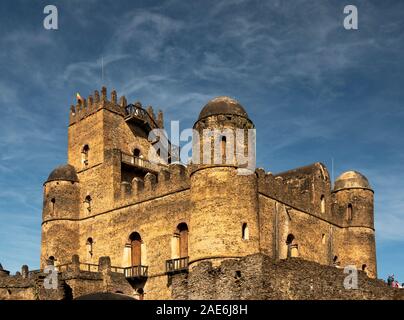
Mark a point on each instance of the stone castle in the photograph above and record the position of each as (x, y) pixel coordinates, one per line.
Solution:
(166, 227)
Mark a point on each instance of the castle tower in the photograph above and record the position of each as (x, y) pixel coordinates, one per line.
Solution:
(108, 141)
(61, 205)
(353, 207)
(223, 220)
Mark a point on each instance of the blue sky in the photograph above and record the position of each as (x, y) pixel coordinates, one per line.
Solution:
(314, 90)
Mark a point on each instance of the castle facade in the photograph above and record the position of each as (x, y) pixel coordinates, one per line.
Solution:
(155, 220)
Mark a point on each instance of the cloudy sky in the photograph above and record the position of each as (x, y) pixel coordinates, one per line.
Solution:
(315, 91)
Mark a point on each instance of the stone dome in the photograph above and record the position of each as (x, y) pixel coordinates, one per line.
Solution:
(222, 105)
(63, 173)
(351, 179)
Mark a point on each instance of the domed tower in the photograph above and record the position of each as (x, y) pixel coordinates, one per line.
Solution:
(61, 204)
(223, 220)
(354, 210)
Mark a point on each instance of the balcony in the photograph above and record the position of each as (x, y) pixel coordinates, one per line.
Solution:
(133, 272)
(177, 265)
(141, 163)
(137, 115)
(136, 272)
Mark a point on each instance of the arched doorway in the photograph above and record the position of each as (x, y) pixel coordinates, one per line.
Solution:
(136, 249)
(182, 230)
(293, 249)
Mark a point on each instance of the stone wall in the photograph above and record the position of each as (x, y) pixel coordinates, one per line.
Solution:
(259, 277)
(72, 282)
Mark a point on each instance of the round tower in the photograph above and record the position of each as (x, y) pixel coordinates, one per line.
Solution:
(61, 203)
(223, 220)
(354, 209)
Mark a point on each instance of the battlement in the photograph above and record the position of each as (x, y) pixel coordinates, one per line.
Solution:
(300, 188)
(173, 178)
(93, 103)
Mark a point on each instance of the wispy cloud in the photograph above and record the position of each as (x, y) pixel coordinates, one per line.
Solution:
(313, 89)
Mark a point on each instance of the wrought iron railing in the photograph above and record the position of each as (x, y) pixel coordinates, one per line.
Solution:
(132, 111)
(136, 272)
(177, 265)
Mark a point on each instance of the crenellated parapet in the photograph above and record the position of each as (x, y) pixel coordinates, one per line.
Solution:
(173, 179)
(93, 103)
(307, 188)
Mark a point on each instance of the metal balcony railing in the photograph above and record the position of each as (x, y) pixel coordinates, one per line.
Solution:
(177, 265)
(136, 272)
(136, 113)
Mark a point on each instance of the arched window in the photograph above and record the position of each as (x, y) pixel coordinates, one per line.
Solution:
(136, 249)
(323, 238)
(87, 204)
(293, 249)
(89, 245)
(245, 234)
(182, 230)
(223, 146)
(322, 205)
(84, 155)
(349, 212)
(52, 204)
(136, 153)
(364, 266)
(335, 261)
(51, 260)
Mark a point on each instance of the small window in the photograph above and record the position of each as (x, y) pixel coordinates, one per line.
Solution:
(89, 245)
(223, 146)
(136, 153)
(53, 201)
(245, 232)
(51, 260)
(323, 239)
(290, 239)
(322, 205)
(349, 212)
(87, 204)
(84, 155)
(364, 266)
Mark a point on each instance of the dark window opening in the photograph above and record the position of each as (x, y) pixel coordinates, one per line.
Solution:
(136, 153)
(84, 155)
(245, 232)
(51, 260)
(293, 249)
(290, 239)
(53, 201)
(87, 204)
(349, 212)
(223, 146)
(89, 244)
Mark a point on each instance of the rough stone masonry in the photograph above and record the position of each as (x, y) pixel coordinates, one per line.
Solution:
(175, 231)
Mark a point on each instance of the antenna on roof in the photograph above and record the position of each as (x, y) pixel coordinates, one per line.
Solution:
(102, 69)
(332, 170)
